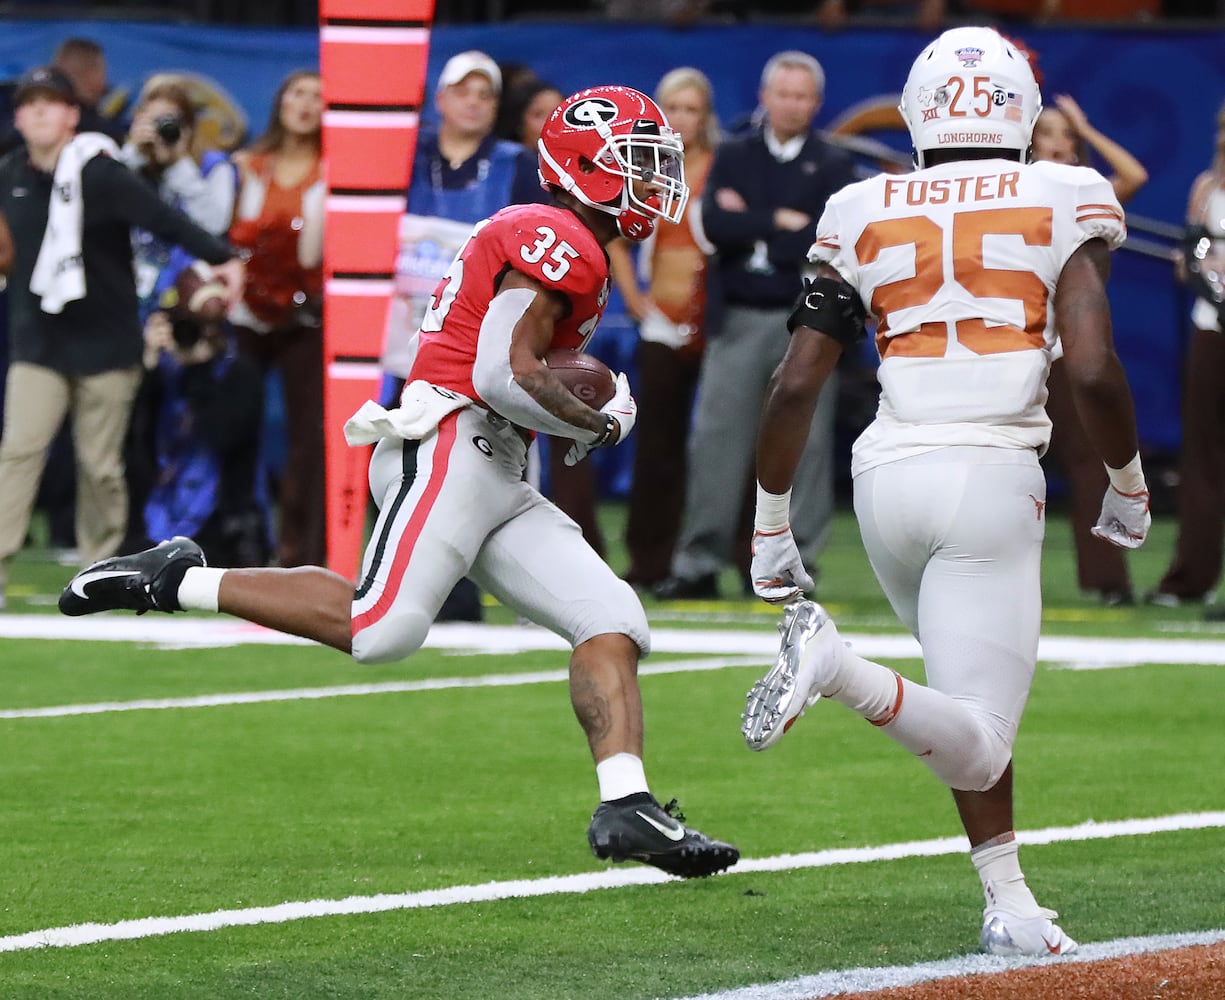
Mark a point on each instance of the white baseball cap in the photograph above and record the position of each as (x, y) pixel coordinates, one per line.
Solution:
(472, 61)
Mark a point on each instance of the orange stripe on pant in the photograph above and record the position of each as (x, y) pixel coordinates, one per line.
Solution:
(891, 714)
(404, 547)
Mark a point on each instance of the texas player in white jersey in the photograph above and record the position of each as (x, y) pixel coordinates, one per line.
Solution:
(958, 264)
(968, 266)
(448, 470)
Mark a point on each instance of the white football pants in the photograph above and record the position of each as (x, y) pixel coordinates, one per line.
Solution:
(955, 539)
(456, 504)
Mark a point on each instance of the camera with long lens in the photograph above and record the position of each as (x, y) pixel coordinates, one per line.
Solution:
(186, 333)
(169, 128)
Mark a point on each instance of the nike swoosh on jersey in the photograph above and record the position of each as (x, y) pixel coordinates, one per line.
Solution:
(79, 583)
(677, 834)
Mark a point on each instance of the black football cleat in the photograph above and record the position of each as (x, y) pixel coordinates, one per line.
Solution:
(144, 581)
(637, 828)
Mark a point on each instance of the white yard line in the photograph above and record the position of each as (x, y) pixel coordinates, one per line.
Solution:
(866, 980)
(125, 930)
(724, 648)
(355, 690)
(1076, 652)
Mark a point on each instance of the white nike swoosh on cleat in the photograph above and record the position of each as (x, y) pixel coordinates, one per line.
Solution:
(678, 834)
(79, 583)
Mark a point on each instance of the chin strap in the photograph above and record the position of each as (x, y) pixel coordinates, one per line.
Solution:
(633, 223)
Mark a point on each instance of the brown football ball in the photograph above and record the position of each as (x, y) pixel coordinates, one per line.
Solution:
(587, 377)
(200, 295)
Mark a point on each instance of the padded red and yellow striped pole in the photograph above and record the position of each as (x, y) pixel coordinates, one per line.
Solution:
(372, 56)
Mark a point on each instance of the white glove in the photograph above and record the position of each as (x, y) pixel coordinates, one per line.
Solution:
(621, 406)
(658, 329)
(1124, 520)
(778, 571)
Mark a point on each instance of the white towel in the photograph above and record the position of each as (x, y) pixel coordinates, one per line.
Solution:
(59, 271)
(422, 407)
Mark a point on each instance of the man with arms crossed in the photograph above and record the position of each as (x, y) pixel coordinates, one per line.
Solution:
(968, 265)
(447, 473)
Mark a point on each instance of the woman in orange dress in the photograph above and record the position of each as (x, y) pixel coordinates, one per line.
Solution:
(670, 311)
(279, 219)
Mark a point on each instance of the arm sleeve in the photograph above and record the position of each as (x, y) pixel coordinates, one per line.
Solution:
(494, 380)
(131, 200)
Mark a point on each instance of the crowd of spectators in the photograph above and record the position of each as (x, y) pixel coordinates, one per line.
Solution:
(762, 198)
(706, 298)
(104, 222)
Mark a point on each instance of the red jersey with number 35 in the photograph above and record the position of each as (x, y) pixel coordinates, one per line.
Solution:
(544, 242)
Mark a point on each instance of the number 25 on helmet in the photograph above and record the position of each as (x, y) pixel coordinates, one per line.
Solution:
(971, 89)
(598, 142)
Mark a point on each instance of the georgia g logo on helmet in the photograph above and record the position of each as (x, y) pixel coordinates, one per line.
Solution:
(591, 113)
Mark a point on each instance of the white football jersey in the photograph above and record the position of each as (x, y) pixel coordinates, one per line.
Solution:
(958, 264)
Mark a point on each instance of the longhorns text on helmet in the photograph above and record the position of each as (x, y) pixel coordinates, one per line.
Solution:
(970, 88)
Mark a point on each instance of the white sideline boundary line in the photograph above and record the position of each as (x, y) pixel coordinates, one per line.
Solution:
(738, 648)
(76, 935)
(357, 690)
(868, 979)
(1073, 652)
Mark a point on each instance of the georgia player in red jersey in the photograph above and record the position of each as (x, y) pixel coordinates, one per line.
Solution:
(447, 472)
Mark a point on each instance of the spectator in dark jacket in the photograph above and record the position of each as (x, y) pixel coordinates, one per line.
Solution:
(764, 194)
(74, 337)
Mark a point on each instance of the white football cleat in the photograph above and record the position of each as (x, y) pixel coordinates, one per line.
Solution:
(810, 653)
(1007, 934)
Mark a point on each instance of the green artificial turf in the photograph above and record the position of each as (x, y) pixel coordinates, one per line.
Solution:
(120, 816)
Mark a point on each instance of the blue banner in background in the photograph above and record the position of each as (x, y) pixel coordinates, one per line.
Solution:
(247, 63)
(1155, 92)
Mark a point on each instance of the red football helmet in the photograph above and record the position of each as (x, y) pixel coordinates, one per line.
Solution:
(597, 142)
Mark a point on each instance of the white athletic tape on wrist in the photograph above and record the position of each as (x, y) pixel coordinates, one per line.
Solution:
(1128, 480)
(773, 511)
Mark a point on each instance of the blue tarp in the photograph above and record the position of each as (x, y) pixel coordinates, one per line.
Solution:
(1155, 91)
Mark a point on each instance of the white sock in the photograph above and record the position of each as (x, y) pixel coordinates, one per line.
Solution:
(620, 775)
(999, 870)
(199, 589)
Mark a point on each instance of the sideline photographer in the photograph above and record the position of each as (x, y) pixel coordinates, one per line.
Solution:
(200, 183)
(197, 423)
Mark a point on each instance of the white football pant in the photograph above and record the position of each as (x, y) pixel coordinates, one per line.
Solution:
(955, 539)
